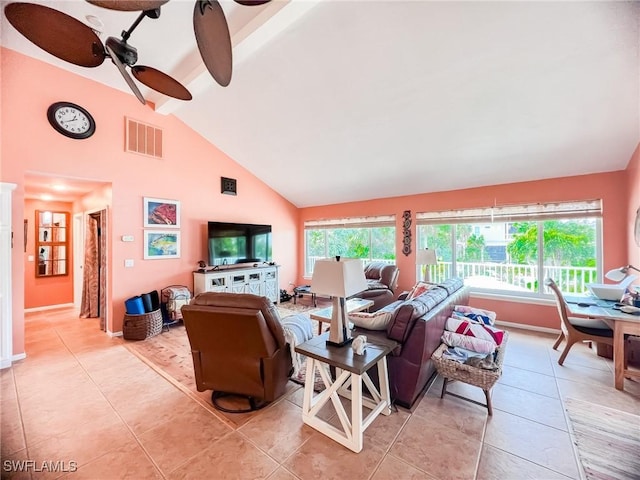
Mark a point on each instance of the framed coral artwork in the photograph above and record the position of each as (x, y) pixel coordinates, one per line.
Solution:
(161, 213)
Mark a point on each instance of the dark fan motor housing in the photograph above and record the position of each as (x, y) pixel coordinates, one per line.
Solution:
(125, 52)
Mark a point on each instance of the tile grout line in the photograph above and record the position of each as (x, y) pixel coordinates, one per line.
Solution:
(179, 386)
(127, 426)
(574, 449)
(19, 405)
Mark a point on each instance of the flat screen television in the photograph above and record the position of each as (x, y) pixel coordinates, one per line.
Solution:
(238, 243)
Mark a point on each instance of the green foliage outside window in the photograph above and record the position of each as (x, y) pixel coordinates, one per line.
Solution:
(569, 252)
(371, 243)
(567, 243)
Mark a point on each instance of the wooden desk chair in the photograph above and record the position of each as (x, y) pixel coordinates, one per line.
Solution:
(577, 329)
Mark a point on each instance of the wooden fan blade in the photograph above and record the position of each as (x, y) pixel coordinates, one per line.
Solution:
(160, 82)
(134, 88)
(128, 5)
(214, 41)
(251, 3)
(57, 33)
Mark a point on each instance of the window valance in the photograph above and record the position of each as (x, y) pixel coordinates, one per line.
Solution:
(514, 213)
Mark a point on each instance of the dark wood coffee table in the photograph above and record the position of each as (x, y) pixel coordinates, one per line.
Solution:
(351, 371)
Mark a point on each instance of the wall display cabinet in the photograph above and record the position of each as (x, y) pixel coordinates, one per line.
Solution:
(52, 243)
(261, 281)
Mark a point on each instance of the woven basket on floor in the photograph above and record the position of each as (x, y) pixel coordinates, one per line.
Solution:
(479, 377)
(140, 327)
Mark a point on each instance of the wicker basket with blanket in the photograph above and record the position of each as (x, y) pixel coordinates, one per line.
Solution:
(480, 377)
(143, 326)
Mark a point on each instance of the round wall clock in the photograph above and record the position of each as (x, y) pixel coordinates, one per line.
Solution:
(71, 120)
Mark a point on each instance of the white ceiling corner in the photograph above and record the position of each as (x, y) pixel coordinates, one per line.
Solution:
(335, 101)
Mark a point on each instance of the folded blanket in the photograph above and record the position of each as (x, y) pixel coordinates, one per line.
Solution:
(460, 354)
(470, 343)
(479, 315)
(465, 326)
(297, 329)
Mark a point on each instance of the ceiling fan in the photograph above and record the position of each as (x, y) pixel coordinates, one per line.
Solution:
(71, 40)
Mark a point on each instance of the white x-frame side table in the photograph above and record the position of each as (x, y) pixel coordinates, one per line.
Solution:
(351, 373)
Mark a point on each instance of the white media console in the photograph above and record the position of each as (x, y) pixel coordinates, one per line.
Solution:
(261, 281)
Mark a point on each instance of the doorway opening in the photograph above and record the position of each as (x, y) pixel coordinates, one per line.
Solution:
(94, 280)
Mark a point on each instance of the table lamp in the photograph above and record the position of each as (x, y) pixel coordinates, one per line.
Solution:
(619, 274)
(338, 278)
(426, 257)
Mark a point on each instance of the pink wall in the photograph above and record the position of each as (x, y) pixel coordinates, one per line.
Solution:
(633, 191)
(189, 172)
(42, 291)
(606, 186)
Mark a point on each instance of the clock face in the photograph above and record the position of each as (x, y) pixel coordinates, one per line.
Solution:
(71, 120)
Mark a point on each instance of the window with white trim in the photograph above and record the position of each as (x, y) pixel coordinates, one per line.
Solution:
(511, 249)
(368, 238)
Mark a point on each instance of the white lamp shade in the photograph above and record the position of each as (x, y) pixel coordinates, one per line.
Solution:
(616, 275)
(619, 274)
(426, 257)
(338, 278)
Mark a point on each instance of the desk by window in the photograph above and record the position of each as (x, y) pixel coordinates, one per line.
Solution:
(622, 324)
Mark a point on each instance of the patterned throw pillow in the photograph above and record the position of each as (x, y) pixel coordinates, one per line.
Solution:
(419, 289)
(371, 321)
(476, 314)
(474, 329)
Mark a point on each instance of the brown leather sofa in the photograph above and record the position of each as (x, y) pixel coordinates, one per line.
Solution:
(238, 347)
(382, 280)
(417, 326)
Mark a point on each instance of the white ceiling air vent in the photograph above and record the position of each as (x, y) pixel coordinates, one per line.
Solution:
(142, 138)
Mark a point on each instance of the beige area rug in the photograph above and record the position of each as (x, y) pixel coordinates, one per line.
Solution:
(607, 440)
(169, 354)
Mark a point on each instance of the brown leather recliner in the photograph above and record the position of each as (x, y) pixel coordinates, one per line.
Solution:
(382, 280)
(238, 347)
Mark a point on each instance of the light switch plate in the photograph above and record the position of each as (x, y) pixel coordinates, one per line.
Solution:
(128, 262)
(127, 238)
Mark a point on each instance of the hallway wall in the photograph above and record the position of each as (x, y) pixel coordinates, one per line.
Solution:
(189, 172)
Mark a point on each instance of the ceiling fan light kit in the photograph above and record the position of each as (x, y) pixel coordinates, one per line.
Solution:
(71, 40)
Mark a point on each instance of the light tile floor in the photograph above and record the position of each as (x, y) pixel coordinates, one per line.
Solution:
(82, 397)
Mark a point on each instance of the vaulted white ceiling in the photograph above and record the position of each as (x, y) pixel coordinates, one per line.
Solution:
(334, 101)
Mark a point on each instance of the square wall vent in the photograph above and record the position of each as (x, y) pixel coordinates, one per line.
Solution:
(142, 138)
(228, 186)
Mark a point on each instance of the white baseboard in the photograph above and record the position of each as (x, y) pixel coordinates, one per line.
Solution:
(6, 362)
(528, 327)
(114, 334)
(49, 307)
